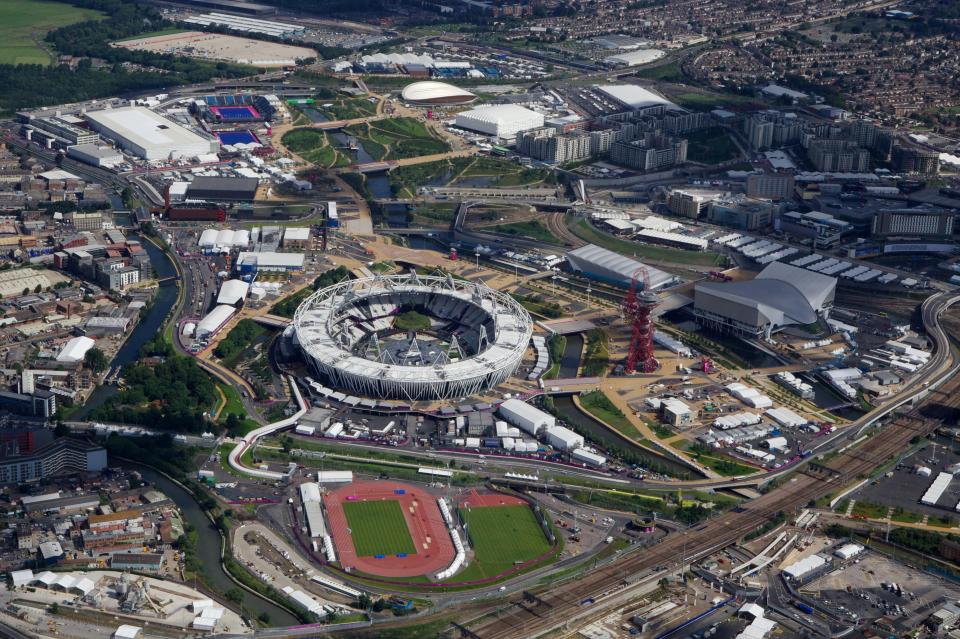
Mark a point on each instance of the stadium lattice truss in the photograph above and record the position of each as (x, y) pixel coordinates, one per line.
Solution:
(340, 330)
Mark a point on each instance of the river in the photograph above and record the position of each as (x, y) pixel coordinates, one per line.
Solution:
(163, 301)
(208, 549)
(208, 541)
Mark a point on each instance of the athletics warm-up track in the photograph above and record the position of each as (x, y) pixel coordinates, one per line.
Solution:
(434, 549)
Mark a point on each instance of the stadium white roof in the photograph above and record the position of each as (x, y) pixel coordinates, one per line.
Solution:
(605, 264)
(634, 96)
(429, 90)
(782, 293)
(500, 113)
(232, 291)
(75, 349)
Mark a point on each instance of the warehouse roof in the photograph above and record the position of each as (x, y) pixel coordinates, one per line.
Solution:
(634, 96)
(232, 291)
(296, 233)
(214, 319)
(622, 268)
(75, 349)
(499, 114)
(268, 259)
(145, 128)
(240, 186)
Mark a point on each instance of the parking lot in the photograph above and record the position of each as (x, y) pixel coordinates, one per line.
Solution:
(902, 487)
(857, 591)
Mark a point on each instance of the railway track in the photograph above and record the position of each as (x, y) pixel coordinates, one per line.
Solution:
(566, 602)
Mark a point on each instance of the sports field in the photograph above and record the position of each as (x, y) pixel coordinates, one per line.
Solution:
(500, 536)
(378, 528)
(24, 23)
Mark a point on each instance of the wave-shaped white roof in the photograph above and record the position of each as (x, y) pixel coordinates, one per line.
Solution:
(432, 90)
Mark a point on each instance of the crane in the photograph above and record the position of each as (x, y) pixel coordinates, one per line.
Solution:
(637, 308)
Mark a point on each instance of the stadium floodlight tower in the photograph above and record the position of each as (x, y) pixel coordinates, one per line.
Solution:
(637, 309)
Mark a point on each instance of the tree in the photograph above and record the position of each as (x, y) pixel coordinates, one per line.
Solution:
(378, 605)
(96, 360)
(286, 443)
(363, 602)
(331, 617)
(235, 595)
(37, 288)
(264, 618)
(54, 608)
(26, 290)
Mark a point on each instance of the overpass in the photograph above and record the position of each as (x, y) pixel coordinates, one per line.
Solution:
(272, 321)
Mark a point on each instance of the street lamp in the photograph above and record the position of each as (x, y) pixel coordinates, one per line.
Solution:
(477, 255)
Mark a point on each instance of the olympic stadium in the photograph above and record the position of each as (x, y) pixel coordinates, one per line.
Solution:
(469, 337)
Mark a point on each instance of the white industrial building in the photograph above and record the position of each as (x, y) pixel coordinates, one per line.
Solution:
(502, 121)
(245, 24)
(805, 566)
(848, 551)
(634, 97)
(232, 292)
(604, 265)
(633, 58)
(780, 295)
(269, 261)
(75, 349)
(149, 135)
(563, 438)
(214, 320)
(526, 417)
(101, 156)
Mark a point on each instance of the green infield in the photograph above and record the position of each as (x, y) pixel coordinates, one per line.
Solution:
(24, 23)
(378, 528)
(501, 536)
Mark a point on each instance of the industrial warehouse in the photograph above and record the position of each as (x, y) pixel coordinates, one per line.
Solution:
(149, 135)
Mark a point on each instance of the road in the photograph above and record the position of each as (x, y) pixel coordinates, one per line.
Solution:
(564, 604)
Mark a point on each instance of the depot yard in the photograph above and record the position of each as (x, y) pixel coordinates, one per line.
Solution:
(378, 528)
(24, 23)
(215, 46)
(501, 536)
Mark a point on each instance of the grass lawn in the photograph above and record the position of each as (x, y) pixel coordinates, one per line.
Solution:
(869, 510)
(153, 34)
(347, 108)
(599, 405)
(397, 138)
(26, 22)
(314, 146)
(378, 528)
(698, 101)
(588, 233)
(500, 536)
(534, 229)
(711, 146)
(234, 403)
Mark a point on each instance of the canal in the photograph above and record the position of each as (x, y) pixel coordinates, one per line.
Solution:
(208, 537)
(208, 549)
(595, 430)
(149, 326)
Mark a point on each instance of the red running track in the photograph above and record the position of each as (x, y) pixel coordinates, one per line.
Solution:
(434, 547)
(477, 500)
